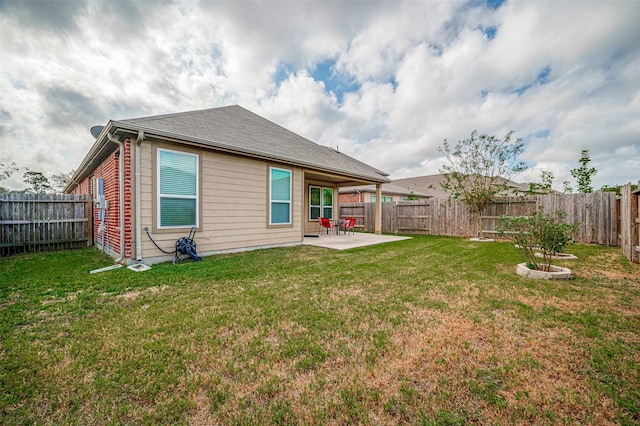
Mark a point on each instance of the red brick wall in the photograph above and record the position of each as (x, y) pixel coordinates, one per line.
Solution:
(351, 197)
(127, 199)
(109, 171)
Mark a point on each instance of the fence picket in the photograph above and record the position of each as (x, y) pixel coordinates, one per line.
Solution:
(40, 222)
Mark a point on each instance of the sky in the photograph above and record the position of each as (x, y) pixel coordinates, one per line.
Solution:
(383, 81)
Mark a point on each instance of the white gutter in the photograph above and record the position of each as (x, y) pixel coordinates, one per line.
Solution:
(138, 208)
(111, 138)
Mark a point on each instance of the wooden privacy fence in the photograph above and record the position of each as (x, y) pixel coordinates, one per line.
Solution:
(596, 213)
(41, 222)
(630, 222)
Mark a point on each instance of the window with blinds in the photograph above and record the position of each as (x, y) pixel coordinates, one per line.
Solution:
(177, 189)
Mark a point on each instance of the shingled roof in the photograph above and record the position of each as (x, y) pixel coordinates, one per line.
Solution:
(235, 129)
(431, 185)
(387, 188)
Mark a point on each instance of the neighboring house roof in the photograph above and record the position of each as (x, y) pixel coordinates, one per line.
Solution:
(431, 185)
(387, 188)
(236, 130)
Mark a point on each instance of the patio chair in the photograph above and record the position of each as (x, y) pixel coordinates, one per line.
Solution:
(348, 224)
(326, 224)
(352, 225)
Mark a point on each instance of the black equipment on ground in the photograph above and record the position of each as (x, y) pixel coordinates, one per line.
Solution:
(185, 247)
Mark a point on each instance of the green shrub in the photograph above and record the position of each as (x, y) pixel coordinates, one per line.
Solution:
(540, 232)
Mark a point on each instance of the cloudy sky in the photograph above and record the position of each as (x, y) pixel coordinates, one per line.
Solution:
(385, 81)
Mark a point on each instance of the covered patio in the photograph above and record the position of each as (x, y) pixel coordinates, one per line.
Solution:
(349, 241)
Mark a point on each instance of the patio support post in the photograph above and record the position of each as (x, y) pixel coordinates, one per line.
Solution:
(378, 225)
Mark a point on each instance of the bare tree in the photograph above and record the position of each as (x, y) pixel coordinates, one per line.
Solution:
(478, 169)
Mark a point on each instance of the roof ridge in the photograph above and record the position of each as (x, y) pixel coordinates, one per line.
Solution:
(178, 114)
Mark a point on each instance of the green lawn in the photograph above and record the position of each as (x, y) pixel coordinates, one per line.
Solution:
(430, 331)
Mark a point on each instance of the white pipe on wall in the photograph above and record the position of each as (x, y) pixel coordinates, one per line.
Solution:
(138, 208)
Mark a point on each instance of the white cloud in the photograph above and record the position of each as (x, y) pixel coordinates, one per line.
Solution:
(307, 115)
(423, 72)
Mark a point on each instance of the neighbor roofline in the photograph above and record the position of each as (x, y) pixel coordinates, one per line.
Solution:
(366, 188)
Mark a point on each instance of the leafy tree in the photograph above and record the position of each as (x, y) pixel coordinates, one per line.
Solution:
(545, 187)
(616, 188)
(59, 181)
(37, 182)
(583, 173)
(547, 180)
(412, 196)
(566, 187)
(540, 232)
(478, 168)
(7, 169)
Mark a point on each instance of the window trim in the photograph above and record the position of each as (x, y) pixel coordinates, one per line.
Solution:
(160, 196)
(271, 200)
(322, 205)
(318, 206)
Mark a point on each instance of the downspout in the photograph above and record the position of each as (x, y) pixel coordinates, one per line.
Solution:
(110, 136)
(139, 140)
(378, 221)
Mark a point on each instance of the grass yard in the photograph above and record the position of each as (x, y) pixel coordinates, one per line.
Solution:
(432, 330)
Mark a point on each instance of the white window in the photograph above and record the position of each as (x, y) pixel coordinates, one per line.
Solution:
(279, 196)
(320, 202)
(178, 183)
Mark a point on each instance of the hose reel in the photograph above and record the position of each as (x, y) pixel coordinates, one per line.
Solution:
(185, 247)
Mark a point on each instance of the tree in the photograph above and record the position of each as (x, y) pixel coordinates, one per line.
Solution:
(566, 187)
(583, 173)
(7, 169)
(545, 187)
(540, 232)
(59, 181)
(478, 169)
(547, 181)
(616, 188)
(37, 182)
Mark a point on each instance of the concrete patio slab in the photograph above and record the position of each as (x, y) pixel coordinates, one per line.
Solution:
(345, 242)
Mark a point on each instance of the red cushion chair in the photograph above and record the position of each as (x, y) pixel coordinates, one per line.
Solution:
(326, 224)
(348, 224)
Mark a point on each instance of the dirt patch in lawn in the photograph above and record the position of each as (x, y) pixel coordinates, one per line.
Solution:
(491, 372)
(487, 367)
(610, 266)
(134, 294)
